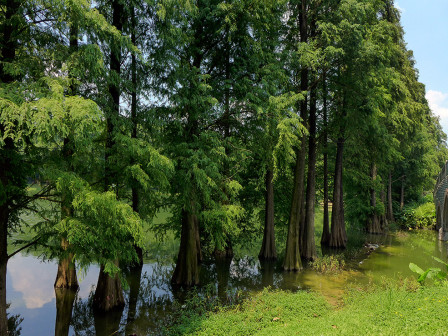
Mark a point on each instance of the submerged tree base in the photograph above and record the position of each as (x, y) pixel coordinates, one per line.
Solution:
(109, 293)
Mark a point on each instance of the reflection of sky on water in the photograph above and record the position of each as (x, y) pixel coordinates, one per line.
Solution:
(31, 294)
(29, 278)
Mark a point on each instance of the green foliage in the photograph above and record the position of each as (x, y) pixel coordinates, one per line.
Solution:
(329, 264)
(430, 273)
(102, 229)
(418, 216)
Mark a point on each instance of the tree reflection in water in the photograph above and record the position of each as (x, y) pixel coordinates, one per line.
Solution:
(151, 300)
(14, 321)
(64, 306)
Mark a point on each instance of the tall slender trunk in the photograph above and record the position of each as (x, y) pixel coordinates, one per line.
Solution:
(338, 237)
(390, 210)
(8, 52)
(325, 240)
(114, 92)
(268, 251)
(403, 181)
(4, 217)
(66, 276)
(373, 222)
(292, 260)
(134, 190)
(109, 293)
(383, 220)
(227, 252)
(186, 272)
(64, 306)
(308, 248)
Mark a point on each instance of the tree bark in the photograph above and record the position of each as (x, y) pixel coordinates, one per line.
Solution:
(402, 193)
(292, 260)
(308, 248)
(66, 276)
(64, 306)
(134, 119)
(268, 251)
(373, 223)
(4, 217)
(390, 210)
(383, 220)
(186, 272)
(227, 253)
(109, 293)
(338, 234)
(8, 52)
(325, 240)
(114, 92)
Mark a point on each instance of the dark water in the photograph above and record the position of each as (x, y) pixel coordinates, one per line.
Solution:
(149, 295)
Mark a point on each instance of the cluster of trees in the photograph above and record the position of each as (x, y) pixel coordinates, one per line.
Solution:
(216, 109)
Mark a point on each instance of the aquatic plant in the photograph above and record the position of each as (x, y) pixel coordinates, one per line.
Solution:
(329, 263)
(430, 273)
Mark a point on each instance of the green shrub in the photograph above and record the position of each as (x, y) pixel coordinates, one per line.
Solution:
(329, 263)
(419, 216)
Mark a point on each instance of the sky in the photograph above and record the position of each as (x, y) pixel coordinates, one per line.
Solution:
(426, 32)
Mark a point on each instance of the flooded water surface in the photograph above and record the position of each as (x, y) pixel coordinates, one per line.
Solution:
(149, 295)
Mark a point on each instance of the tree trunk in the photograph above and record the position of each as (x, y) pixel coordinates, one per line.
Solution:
(223, 276)
(114, 92)
(268, 251)
(186, 272)
(4, 217)
(373, 223)
(338, 237)
(135, 196)
(66, 277)
(109, 293)
(292, 260)
(390, 210)
(133, 279)
(308, 248)
(383, 220)
(8, 52)
(402, 194)
(108, 324)
(292, 256)
(267, 273)
(227, 253)
(64, 306)
(325, 240)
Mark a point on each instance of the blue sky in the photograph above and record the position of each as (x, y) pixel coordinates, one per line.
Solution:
(426, 32)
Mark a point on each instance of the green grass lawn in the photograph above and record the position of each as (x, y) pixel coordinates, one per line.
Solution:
(391, 310)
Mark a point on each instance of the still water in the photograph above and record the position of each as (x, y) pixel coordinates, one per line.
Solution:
(149, 295)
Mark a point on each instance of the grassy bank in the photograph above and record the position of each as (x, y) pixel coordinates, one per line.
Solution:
(404, 309)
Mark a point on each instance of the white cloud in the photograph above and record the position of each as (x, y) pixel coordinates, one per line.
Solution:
(438, 102)
(33, 279)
